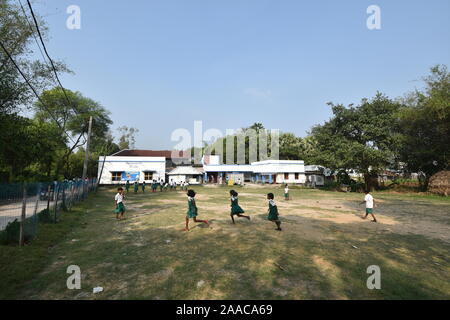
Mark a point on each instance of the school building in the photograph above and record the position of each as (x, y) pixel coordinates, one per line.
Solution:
(149, 165)
(268, 171)
(135, 165)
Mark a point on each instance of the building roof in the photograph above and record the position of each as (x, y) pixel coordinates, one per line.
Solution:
(228, 168)
(186, 170)
(314, 168)
(149, 153)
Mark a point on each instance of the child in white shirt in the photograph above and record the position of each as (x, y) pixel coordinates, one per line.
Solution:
(370, 202)
(120, 208)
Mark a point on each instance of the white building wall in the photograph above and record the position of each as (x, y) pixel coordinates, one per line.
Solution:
(301, 178)
(131, 164)
(185, 178)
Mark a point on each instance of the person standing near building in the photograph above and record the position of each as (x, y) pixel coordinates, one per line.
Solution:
(286, 192)
(136, 186)
(143, 186)
(127, 185)
(120, 208)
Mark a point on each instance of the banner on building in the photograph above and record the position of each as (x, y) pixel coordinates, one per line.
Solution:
(130, 176)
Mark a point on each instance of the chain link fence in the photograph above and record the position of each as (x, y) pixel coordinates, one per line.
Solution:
(24, 205)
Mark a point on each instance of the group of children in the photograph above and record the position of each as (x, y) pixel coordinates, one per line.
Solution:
(163, 186)
(236, 210)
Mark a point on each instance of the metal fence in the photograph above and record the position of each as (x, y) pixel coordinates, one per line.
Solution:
(24, 205)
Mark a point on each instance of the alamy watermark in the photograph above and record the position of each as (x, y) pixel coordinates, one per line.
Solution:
(236, 146)
(73, 22)
(74, 280)
(374, 20)
(374, 280)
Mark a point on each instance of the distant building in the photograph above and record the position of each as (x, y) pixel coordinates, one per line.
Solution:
(135, 165)
(268, 171)
(315, 175)
(186, 174)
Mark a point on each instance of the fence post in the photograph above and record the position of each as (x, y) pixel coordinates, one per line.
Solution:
(56, 201)
(24, 215)
(35, 218)
(48, 198)
(64, 196)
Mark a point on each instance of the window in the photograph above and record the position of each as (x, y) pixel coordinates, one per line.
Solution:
(286, 176)
(296, 176)
(116, 176)
(148, 175)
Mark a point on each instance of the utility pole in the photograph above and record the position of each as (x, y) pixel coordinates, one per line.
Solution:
(87, 150)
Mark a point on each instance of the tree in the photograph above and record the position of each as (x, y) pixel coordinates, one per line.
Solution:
(127, 138)
(425, 126)
(72, 114)
(16, 35)
(361, 137)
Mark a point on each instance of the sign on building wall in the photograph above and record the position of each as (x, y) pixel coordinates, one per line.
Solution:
(131, 176)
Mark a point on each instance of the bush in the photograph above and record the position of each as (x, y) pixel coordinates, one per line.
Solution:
(11, 234)
(45, 217)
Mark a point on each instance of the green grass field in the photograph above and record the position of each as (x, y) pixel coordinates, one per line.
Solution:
(322, 253)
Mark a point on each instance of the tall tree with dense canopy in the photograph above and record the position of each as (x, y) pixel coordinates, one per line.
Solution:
(361, 137)
(425, 126)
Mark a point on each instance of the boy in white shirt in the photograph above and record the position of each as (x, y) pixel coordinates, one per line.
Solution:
(369, 201)
(286, 192)
(120, 208)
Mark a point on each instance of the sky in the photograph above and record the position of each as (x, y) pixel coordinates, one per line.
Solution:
(159, 65)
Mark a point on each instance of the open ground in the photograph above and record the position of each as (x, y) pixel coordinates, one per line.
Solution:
(323, 251)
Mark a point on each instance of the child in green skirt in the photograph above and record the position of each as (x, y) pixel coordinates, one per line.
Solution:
(127, 185)
(143, 186)
(136, 187)
(192, 210)
(273, 212)
(286, 192)
(120, 208)
(235, 208)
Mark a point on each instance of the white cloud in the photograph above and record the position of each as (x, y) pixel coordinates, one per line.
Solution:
(258, 93)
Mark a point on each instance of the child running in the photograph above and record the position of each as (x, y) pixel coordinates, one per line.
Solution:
(235, 208)
(127, 185)
(369, 201)
(286, 192)
(120, 208)
(192, 210)
(273, 212)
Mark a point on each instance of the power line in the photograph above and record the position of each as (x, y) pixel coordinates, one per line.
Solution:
(48, 56)
(34, 90)
(33, 33)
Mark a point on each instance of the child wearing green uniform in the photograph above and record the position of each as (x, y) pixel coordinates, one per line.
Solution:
(127, 185)
(161, 185)
(235, 208)
(120, 208)
(136, 187)
(273, 212)
(286, 192)
(192, 210)
(154, 186)
(143, 186)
